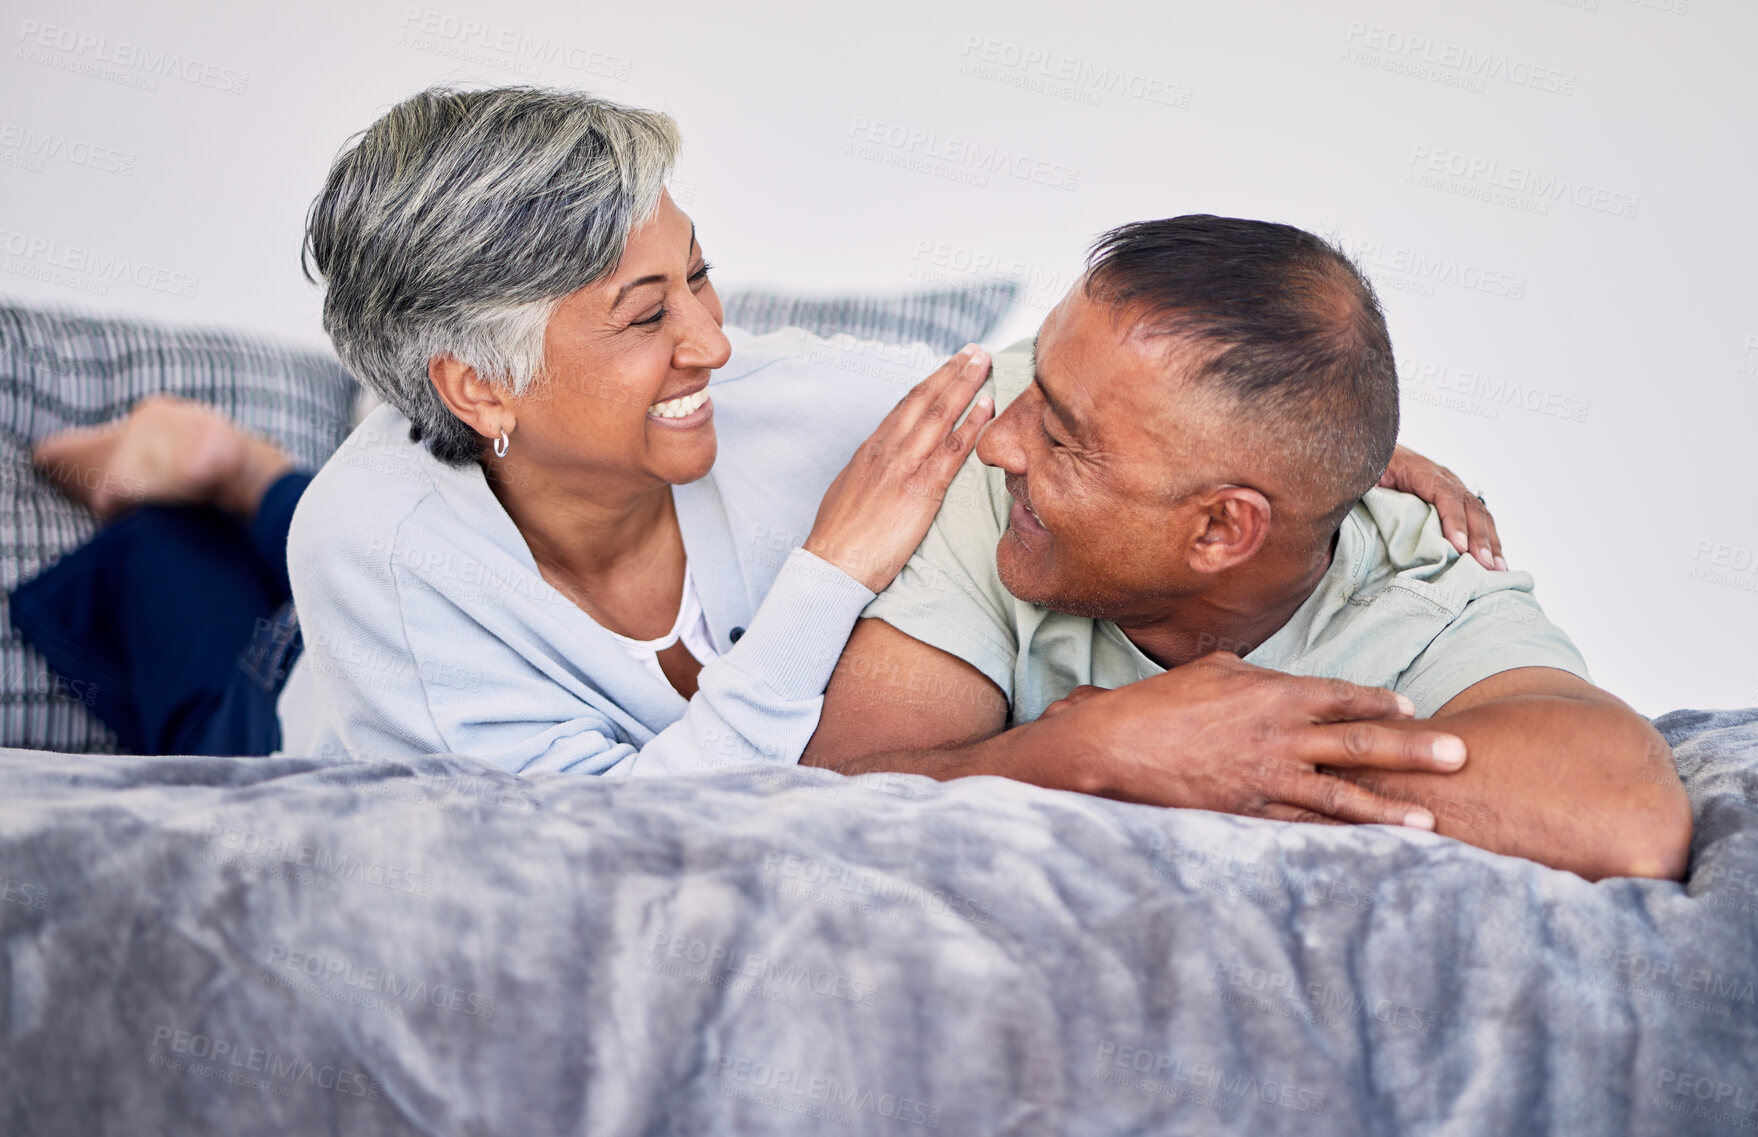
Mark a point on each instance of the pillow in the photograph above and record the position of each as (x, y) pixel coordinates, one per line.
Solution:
(945, 320)
(61, 368)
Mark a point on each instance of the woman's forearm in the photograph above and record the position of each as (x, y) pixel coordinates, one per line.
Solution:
(759, 703)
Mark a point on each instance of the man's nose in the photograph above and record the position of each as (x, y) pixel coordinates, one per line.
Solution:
(998, 445)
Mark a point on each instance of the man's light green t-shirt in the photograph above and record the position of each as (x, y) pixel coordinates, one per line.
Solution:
(1398, 607)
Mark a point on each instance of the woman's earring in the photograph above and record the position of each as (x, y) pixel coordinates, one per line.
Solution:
(500, 444)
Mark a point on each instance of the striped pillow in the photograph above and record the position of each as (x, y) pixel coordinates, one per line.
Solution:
(944, 320)
(61, 368)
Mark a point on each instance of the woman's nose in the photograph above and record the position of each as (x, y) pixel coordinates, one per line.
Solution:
(703, 343)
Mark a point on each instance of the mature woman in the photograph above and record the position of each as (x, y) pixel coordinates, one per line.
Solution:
(589, 531)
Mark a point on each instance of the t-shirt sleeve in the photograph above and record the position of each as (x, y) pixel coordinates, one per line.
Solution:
(949, 595)
(1497, 631)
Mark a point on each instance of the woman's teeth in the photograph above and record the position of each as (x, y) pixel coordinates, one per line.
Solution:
(679, 407)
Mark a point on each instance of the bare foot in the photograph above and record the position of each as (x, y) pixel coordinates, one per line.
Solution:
(168, 450)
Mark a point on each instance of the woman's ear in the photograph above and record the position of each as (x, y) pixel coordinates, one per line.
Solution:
(479, 404)
(1232, 526)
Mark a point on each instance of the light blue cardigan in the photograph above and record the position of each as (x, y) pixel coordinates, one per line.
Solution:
(428, 628)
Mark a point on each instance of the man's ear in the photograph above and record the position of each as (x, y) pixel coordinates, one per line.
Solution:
(1231, 525)
(479, 404)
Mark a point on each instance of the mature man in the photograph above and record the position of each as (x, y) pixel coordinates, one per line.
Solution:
(1184, 474)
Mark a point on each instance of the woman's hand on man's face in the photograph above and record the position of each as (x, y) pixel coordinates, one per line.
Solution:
(878, 509)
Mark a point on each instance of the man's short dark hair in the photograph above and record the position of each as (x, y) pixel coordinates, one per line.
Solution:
(1292, 330)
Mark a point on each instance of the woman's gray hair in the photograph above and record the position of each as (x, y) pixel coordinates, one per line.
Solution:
(457, 223)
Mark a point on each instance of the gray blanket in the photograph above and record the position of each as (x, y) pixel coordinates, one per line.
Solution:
(298, 946)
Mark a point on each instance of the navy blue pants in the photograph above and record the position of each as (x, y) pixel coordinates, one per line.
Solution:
(178, 621)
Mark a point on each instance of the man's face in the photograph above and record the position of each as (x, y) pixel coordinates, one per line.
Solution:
(1097, 452)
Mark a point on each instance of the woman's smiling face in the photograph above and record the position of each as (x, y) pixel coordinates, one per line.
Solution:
(627, 359)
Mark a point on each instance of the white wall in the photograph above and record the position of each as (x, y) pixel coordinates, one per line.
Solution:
(826, 147)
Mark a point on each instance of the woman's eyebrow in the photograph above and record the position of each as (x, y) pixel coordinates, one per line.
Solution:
(654, 278)
(633, 284)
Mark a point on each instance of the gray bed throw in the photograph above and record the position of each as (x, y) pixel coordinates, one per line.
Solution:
(303, 946)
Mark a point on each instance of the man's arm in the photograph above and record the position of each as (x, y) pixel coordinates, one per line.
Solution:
(1561, 772)
(893, 696)
(1214, 734)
